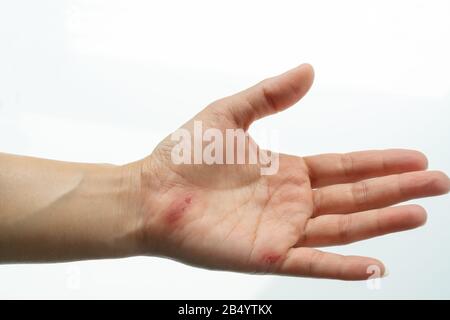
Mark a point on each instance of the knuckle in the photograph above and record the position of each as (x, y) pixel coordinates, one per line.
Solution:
(268, 96)
(317, 203)
(344, 228)
(347, 164)
(359, 191)
(315, 261)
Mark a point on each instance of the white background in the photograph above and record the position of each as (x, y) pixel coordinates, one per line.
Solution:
(104, 81)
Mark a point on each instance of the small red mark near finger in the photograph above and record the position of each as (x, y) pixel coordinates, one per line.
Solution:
(271, 258)
(177, 209)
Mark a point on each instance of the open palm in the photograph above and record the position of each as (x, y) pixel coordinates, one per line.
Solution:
(231, 217)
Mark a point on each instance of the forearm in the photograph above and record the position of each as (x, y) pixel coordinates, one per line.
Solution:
(57, 211)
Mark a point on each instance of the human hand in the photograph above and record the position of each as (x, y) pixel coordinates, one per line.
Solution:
(231, 217)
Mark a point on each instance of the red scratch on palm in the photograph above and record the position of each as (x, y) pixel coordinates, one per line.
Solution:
(177, 209)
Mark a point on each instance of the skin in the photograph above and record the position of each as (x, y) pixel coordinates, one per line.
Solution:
(227, 217)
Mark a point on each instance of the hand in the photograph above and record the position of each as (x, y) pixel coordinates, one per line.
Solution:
(231, 217)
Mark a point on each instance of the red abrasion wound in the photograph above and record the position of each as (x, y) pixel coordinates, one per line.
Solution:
(177, 209)
(271, 258)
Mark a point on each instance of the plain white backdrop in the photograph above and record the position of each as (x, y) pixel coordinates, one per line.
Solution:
(104, 81)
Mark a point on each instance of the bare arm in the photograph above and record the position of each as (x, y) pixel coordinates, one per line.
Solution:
(56, 211)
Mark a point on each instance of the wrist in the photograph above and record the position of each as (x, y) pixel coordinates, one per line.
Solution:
(124, 196)
(147, 198)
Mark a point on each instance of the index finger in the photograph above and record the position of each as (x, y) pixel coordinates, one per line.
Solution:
(334, 168)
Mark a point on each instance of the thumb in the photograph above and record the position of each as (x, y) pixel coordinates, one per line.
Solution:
(269, 96)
